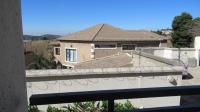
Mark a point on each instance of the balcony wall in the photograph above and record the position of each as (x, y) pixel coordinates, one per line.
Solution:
(56, 81)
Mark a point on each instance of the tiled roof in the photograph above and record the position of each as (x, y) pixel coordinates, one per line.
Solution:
(113, 61)
(131, 59)
(105, 32)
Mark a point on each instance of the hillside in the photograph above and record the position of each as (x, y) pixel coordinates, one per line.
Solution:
(42, 37)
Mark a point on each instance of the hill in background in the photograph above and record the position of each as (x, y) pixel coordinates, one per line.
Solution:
(42, 37)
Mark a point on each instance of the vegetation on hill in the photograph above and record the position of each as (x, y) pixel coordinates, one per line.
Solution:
(42, 37)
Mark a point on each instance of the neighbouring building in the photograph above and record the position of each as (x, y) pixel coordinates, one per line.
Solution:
(100, 41)
(166, 31)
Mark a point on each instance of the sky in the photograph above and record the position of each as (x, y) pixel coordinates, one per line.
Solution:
(66, 16)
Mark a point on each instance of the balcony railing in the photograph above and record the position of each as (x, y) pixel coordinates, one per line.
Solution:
(111, 95)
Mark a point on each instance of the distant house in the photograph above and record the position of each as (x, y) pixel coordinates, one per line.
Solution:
(166, 31)
(100, 41)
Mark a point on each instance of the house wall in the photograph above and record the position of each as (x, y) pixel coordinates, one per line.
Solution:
(109, 83)
(83, 52)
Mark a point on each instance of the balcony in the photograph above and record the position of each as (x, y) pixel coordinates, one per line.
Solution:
(111, 95)
(142, 85)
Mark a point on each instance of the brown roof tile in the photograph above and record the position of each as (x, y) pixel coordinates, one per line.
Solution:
(113, 61)
(105, 32)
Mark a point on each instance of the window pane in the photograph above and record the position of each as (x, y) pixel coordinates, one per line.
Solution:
(71, 55)
(128, 47)
(57, 50)
(67, 54)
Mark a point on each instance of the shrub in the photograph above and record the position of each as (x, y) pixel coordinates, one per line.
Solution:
(91, 107)
(33, 109)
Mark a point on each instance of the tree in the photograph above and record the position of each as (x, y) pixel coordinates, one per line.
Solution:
(196, 27)
(181, 36)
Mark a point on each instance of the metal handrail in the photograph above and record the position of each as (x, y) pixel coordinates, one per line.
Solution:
(111, 95)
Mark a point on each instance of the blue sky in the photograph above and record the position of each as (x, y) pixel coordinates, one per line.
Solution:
(66, 16)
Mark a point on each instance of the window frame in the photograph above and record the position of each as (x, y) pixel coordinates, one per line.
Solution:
(55, 51)
(129, 44)
(106, 44)
(76, 57)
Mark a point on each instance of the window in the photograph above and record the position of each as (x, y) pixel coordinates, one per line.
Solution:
(71, 55)
(105, 45)
(128, 47)
(57, 51)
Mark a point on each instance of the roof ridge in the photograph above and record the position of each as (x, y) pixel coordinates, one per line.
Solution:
(98, 32)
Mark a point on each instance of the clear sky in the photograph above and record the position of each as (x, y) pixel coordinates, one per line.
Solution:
(66, 16)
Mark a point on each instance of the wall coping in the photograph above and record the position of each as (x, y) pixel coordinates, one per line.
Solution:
(59, 74)
(165, 48)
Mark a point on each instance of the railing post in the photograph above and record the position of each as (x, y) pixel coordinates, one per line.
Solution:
(111, 105)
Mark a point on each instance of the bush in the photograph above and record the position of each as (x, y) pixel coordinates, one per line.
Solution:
(119, 106)
(91, 107)
(40, 62)
(54, 109)
(33, 109)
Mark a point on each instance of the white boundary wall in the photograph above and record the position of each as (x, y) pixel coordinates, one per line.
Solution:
(189, 56)
(197, 47)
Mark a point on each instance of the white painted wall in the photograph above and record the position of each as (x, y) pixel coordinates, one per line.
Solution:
(197, 47)
(186, 54)
(173, 53)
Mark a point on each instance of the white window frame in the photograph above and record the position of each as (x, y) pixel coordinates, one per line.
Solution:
(55, 51)
(128, 44)
(106, 44)
(66, 55)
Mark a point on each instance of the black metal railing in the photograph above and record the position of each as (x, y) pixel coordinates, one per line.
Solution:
(111, 95)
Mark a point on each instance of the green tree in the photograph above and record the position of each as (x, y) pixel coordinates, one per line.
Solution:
(196, 27)
(181, 36)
